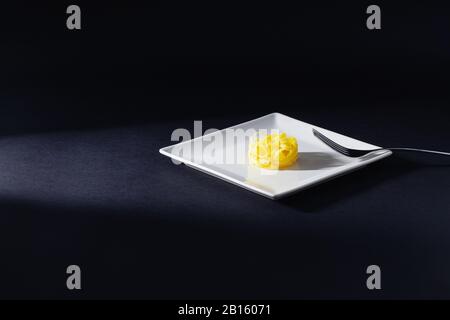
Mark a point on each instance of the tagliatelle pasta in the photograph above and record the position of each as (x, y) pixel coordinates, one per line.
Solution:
(273, 151)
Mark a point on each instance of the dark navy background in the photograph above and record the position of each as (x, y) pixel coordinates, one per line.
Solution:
(84, 113)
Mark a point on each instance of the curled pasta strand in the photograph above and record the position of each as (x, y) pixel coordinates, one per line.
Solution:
(274, 151)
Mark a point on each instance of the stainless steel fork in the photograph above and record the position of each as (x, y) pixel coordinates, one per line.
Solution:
(355, 153)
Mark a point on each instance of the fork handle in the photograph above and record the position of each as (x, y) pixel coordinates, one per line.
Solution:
(420, 150)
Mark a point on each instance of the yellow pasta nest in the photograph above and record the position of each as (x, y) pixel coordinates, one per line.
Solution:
(273, 151)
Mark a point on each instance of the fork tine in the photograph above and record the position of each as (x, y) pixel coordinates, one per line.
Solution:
(339, 148)
(332, 144)
(335, 146)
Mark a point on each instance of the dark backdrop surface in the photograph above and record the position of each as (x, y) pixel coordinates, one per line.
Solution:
(84, 113)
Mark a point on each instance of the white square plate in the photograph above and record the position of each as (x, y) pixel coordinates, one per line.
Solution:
(316, 161)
